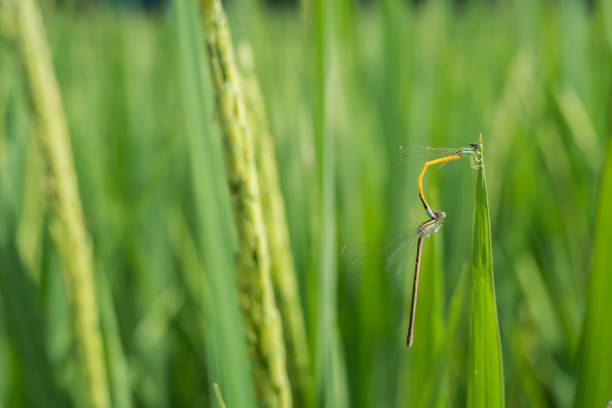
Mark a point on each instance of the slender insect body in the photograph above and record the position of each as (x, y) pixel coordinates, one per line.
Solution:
(401, 247)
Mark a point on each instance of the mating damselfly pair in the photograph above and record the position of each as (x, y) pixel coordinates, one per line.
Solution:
(400, 247)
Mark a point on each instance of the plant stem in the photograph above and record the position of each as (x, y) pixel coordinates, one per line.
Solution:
(68, 229)
(261, 316)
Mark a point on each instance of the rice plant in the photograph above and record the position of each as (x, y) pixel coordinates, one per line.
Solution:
(177, 182)
(485, 368)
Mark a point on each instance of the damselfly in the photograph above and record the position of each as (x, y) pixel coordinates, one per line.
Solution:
(397, 249)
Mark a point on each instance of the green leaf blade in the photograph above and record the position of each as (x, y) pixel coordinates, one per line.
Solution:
(595, 355)
(485, 367)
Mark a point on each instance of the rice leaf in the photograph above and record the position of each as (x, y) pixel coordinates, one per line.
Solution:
(595, 354)
(26, 330)
(329, 363)
(485, 369)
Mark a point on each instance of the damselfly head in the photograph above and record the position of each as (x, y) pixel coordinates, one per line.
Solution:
(476, 147)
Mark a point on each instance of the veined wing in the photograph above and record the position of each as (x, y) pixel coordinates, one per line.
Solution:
(416, 156)
(390, 252)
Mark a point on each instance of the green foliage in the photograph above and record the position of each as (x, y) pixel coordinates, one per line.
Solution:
(595, 355)
(329, 368)
(25, 328)
(485, 368)
(344, 83)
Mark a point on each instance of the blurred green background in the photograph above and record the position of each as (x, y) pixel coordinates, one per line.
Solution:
(535, 77)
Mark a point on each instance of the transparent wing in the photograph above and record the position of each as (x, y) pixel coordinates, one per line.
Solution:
(416, 156)
(389, 252)
(426, 152)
